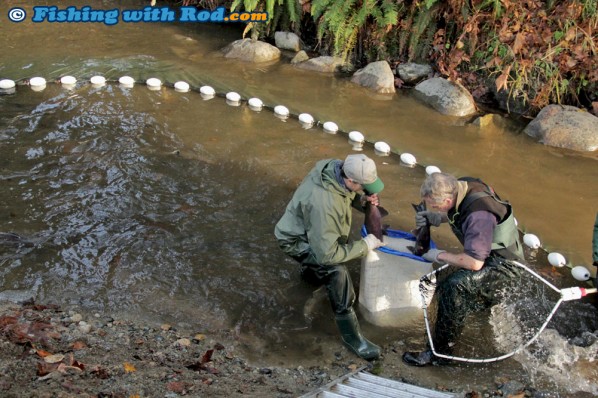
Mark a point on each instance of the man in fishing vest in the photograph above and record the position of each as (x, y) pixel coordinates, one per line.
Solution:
(314, 231)
(485, 226)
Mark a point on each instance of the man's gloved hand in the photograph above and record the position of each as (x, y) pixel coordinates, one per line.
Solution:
(432, 255)
(372, 242)
(434, 217)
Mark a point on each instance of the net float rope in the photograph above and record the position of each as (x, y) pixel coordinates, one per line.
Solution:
(307, 121)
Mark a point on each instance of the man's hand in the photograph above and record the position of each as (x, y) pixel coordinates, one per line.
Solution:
(432, 255)
(372, 242)
(373, 199)
(422, 217)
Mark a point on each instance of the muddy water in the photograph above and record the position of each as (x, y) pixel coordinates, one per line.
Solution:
(162, 203)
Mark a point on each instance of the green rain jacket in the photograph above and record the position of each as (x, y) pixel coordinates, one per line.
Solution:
(318, 219)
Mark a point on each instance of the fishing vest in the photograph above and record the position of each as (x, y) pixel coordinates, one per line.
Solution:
(480, 196)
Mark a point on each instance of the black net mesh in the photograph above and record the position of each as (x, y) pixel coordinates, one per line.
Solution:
(485, 316)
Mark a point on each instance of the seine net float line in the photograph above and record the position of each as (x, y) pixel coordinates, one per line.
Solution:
(307, 121)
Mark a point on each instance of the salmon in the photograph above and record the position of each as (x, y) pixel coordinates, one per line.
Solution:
(373, 220)
(422, 234)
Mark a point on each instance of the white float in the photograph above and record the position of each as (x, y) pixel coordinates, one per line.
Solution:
(408, 159)
(207, 92)
(68, 81)
(281, 111)
(37, 83)
(580, 273)
(330, 127)
(153, 84)
(233, 99)
(255, 104)
(356, 136)
(181, 87)
(389, 285)
(7, 84)
(431, 170)
(531, 241)
(557, 259)
(98, 81)
(382, 148)
(306, 120)
(126, 81)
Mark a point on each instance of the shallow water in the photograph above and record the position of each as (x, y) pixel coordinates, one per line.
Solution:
(163, 204)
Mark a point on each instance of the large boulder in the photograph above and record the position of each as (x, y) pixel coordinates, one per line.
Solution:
(377, 76)
(324, 64)
(446, 97)
(287, 41)
(251, 51)
(565, 126)
(412, 73)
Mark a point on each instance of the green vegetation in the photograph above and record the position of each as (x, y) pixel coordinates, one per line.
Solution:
(540, 52)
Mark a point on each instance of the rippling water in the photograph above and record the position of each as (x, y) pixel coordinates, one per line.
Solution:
(122, 214)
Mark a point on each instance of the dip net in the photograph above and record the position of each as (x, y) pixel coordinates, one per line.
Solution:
(492, 328)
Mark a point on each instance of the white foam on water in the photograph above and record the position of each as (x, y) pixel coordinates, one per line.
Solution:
(553, 360)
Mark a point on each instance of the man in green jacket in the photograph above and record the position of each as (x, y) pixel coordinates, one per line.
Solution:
(314, 231)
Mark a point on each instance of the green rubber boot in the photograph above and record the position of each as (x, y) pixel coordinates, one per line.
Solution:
(351, 335)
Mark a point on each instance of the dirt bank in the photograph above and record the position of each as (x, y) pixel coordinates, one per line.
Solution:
(46, 351)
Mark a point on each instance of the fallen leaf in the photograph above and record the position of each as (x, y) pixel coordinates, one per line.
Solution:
(519, 42)
(501, 81)
(44, 369)
(78, 345)
(207, 357)
(165, 327)
(129, 368)
(183, 342)
(7, 320)
(101, 373)
(42, 353)
(178, 387)
(62, 368)
(55, 358)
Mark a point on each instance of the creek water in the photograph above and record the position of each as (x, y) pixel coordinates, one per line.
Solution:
(161, 205)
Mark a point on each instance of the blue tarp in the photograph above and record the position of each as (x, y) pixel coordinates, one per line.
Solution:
(395, 233)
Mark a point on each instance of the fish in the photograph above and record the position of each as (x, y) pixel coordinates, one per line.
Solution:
(422, 234)
(373, 220)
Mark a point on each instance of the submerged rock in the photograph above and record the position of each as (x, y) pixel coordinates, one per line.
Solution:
(300, 57)
(565, 126)
(251, 51)
(324, 64)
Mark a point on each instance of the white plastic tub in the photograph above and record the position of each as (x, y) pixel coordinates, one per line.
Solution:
(389, 288)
